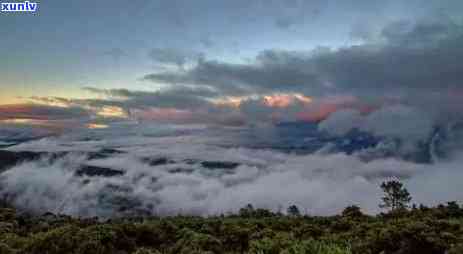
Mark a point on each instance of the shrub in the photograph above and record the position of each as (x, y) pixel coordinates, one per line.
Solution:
(190, 240)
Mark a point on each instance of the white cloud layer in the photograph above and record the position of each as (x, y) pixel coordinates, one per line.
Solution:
(317, 183)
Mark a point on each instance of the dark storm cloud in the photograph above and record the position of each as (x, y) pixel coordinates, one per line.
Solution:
(423, 57)
(180, 97)
(239, 79)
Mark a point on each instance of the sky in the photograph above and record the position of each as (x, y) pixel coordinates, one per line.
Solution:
(86, 63)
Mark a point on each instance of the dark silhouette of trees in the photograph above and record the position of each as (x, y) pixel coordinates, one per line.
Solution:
(453, 209)
(293, 211)
(352, 211)
(396, 196)
(250, 212)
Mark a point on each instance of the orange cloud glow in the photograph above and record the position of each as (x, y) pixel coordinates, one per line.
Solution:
(230, 101)
(274, 100)
(21, 121)
(50, 118)
(112, 111)
(284, 100)
(55, 126)
(322, 109)
(97, 126)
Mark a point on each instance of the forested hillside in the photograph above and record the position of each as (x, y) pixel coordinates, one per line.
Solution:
(418, 230)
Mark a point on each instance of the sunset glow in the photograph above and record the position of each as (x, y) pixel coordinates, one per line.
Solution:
(22, 121)
(112, 111)
(97, 126)
(272, 100)
(230, 101)
(284, 100)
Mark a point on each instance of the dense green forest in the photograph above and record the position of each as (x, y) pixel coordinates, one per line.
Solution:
(400, 230)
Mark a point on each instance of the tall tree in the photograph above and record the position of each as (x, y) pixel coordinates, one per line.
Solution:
(396, 196)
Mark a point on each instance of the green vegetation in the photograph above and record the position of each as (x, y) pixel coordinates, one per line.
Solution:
(419, 230)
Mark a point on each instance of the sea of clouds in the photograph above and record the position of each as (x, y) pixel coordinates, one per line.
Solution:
(320, 183)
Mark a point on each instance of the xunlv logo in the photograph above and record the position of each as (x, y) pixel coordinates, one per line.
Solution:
(19, 7)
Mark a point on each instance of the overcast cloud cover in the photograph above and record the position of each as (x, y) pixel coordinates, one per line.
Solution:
(412, 63)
